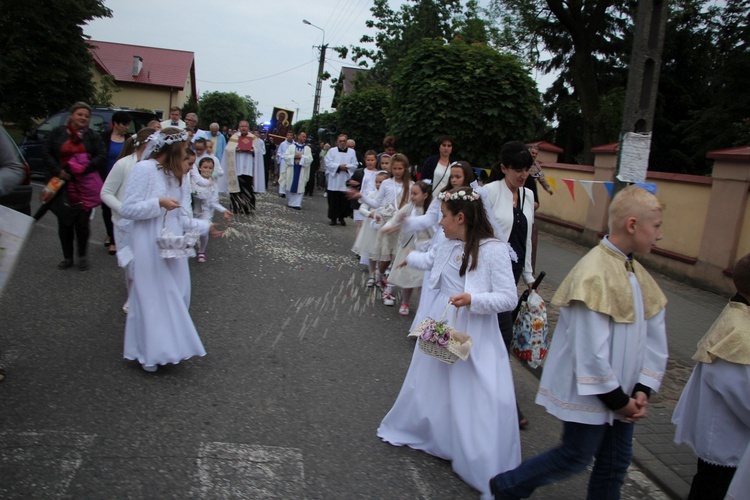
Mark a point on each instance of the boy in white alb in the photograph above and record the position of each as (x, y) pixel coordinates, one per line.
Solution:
(713, 414)
(608, 352)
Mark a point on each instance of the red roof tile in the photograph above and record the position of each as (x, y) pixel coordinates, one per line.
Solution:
(161, 67)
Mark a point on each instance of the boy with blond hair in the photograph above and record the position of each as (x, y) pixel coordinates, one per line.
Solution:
(608, 354)
(713, 414)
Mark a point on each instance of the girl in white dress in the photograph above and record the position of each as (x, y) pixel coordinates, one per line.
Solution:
(461, 174)
(392, 195)
(206, 201)
(463, 412)
(408, 278)
(364, 245)
(159, 329)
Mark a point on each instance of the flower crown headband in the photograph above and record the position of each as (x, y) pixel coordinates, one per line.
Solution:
(459, 196)
(158, 139)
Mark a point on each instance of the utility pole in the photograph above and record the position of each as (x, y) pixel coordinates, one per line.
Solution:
(640, 95)
(319, 84)
(321, 63)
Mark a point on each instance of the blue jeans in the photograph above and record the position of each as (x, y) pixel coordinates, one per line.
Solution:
(610, 445)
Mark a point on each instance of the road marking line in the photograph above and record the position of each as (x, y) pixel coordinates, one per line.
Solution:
(232, 470)
(422, 487)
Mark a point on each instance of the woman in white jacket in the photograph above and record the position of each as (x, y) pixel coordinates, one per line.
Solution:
(113, 192)
(512, 206)
(463, 412)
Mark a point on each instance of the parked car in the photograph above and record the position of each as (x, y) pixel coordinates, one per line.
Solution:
(20, 198)
(101, 119)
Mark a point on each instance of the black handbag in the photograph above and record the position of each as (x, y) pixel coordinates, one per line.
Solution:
(66, 212)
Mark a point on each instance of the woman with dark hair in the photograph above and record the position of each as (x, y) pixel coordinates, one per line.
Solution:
(159, 329)
(463, 412)
(114, 140)
(72, 152)
(512, 206)
(436, 168)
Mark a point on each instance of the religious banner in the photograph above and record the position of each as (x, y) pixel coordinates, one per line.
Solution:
(281, 123)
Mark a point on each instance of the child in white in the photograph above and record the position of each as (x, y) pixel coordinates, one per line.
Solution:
(465, 412)
(408, 278)
(392, 195)
(366, 240)
(206, 200)
(713, 414)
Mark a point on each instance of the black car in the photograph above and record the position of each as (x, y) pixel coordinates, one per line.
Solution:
(20, 198)
(101, 119)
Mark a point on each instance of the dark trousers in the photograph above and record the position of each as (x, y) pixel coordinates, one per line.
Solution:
(610, 445)
(77, 230)
(711, 482)
(338, 205)
(310, 186)
(107, 216)
(247, 193)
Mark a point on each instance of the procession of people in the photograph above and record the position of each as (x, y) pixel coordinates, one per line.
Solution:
(466, 244)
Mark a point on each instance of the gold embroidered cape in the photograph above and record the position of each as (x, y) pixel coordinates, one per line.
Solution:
(600, 280)
(728, 338)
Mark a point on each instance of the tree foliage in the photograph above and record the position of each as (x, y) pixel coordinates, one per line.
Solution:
(398, 31)
(362, 116)
(227, 108)
(703, 102)
(471, 92)
(46, 65)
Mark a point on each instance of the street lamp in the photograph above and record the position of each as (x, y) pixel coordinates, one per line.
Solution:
(319, 83)
(296, 114)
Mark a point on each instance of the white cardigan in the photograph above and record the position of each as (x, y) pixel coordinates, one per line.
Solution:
(500, 199)
(113, 190)
(490, 285)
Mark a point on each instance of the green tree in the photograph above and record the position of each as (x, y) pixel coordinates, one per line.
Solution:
(589, 45)
(105, 91)
(469, 91)
(362, 116)
(46, 65)
(398, 31)
(227, 108)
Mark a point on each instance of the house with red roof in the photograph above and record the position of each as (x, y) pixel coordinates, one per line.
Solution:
(148, 77)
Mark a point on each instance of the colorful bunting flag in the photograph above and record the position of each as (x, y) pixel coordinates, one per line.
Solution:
(571, 187)
(587, 186)
(610, 187)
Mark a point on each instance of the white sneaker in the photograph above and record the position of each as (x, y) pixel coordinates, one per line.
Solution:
(371, 282)
(388, 299)
(149, 368)
(403, 310)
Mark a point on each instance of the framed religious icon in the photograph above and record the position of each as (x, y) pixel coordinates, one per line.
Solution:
(281, 123)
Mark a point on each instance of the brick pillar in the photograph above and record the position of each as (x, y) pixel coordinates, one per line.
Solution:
(726, 207)
(605, 162)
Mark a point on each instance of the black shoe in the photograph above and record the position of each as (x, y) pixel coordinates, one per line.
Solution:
(332, 223)
(497, 494)
(343, 222)
(83, 263)
(282, 195)
(297, 208)
(65, 264)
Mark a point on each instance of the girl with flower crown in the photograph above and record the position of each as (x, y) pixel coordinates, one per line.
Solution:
(159, 329)
(408, 279)
(463, 412)
(392, 195)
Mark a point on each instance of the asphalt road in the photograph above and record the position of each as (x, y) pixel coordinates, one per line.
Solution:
(302, 365)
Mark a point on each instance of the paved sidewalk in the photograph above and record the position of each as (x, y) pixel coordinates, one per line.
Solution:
(690, 312)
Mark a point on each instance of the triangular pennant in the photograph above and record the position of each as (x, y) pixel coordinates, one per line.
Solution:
(648, 186)
(587, 186)
(610, 187)
(552, 182)
(487, 171)
(571, 187)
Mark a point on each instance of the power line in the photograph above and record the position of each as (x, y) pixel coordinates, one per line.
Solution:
(261, 78)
